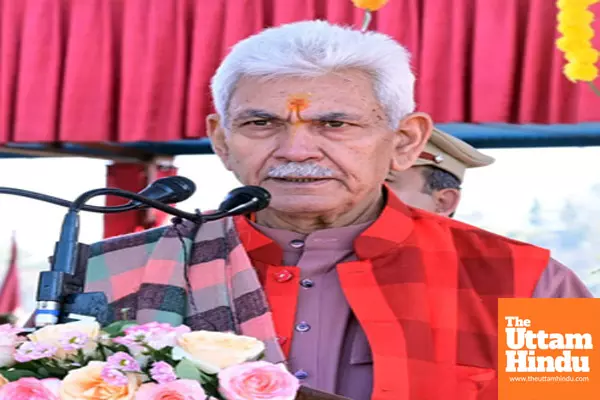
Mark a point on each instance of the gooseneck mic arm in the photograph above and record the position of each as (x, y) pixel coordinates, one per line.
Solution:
(79, 203)
(243, 200)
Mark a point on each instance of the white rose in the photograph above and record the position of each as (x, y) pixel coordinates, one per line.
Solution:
(52, 335)
(213, 351)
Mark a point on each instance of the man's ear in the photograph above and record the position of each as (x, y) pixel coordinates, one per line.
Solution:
(413, 133)
(218, 140)
(446, 201)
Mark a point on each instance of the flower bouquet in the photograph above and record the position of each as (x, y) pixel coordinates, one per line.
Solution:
(79, 360)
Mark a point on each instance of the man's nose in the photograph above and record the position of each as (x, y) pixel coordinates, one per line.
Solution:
(299, 144)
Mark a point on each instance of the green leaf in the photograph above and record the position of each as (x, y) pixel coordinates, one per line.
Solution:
(117, 328)
(29, 366)
(102, 351)
(212, 389)
(115, 348)
(204, 380)
(185, 369)
(16, 374)
(43, 372)
(56, 372)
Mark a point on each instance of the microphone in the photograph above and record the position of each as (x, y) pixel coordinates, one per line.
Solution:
(169, 190)
(241, 201)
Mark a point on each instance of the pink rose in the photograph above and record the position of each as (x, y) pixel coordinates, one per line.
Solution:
(30, 389)
(182, 389)
(258, 379)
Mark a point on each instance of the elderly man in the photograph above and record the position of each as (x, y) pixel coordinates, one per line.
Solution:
(433, 183)
(359, 294)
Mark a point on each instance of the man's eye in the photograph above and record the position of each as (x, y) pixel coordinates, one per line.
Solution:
(258, 122)
(333, 124)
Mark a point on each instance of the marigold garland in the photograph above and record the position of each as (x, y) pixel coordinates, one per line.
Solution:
(574, 23)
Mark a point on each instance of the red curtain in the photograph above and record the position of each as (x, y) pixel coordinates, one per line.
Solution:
(10, 295)
(133, 177)
(131, 70)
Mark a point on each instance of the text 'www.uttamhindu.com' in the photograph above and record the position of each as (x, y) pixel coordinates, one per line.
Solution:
(526, 379)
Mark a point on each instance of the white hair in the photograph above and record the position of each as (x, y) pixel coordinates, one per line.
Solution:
(314, 48)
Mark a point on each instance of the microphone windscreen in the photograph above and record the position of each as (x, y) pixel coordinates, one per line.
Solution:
(245, 200)
(169, 190)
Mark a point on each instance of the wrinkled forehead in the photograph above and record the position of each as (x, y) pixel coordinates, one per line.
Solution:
(348, 92)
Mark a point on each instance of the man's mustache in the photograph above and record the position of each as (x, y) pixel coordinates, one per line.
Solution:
(300, 170)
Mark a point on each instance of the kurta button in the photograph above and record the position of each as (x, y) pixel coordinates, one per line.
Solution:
(281, 340)
(301, 374)
(297, 244)
(283, 276)
(307, 283)
(303, 327)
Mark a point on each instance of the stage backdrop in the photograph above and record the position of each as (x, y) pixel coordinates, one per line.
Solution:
(137, 70)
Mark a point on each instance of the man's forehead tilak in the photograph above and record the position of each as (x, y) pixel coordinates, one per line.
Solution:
(295, 104)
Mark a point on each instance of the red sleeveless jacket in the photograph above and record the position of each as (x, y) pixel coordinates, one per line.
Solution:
(425, 290)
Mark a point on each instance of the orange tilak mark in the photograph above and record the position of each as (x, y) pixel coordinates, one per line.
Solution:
(297, 103)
